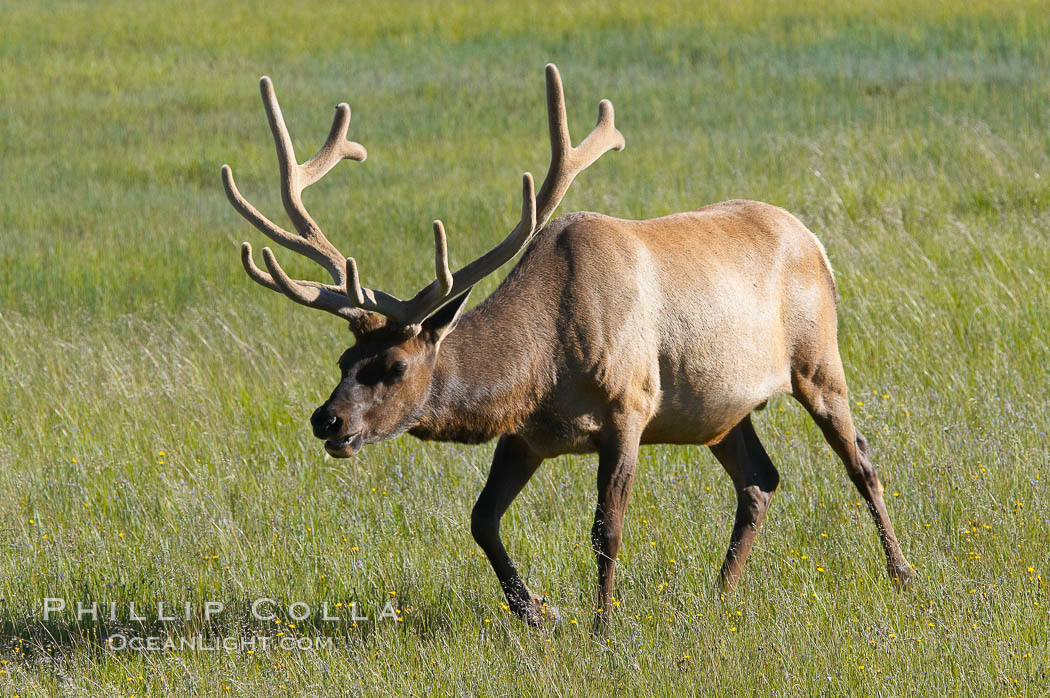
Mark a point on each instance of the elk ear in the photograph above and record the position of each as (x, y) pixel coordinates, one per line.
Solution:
(444, 321)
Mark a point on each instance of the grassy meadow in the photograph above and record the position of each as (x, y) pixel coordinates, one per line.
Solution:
(154, 443)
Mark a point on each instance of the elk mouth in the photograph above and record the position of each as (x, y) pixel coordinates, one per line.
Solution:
(345, 446)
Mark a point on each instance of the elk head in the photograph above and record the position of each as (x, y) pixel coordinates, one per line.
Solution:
(386, 375)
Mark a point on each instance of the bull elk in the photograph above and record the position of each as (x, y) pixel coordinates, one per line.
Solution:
(608, 334)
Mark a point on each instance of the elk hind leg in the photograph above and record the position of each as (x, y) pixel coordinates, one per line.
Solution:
(823, 393)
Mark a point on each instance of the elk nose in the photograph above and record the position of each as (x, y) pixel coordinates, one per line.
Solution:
(325, 424)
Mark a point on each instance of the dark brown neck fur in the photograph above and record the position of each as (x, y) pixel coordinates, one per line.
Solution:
(492, 369)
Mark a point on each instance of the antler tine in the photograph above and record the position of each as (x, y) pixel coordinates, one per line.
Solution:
(441, 272)
(255, 273)
(377, 301)
(567, 161)
(263, 279)
(557, 118)
(313, 295)
(336, 148)
(264, 224)
(353, 283)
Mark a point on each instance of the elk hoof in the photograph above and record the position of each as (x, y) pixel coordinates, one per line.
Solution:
(549, 613)
(538, 613)
(902, 574)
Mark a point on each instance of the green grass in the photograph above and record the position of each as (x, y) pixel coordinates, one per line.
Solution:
(153, 401)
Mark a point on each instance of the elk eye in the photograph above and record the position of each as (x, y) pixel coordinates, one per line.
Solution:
(398, 369)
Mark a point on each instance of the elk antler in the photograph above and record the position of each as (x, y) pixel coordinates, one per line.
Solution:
(347, 298)
(567, 161)
(310, 242)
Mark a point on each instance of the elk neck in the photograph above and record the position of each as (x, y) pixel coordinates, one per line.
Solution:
(489, 375)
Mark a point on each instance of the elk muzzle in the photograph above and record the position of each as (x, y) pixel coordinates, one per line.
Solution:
(331, 427)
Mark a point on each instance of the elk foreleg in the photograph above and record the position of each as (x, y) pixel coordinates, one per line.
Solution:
(513, 464)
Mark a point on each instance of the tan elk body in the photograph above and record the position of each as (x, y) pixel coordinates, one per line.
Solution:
(607, 335)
